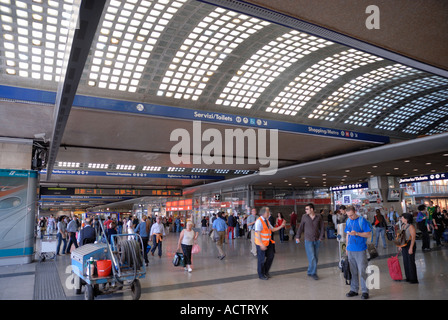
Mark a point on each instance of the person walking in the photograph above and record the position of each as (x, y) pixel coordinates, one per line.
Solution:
(279, 222)
(186, 240)
(380, 226)
(231, 222)
(439, 227)
(157, 233)
(358, 231)
(422, 226)
(72, 228)
(220, 226)
(312, 225)
(293, 222)
(87, 234)
(143, 229)
(61, 235)
(408, 251)
(264, 243)
(251, 230)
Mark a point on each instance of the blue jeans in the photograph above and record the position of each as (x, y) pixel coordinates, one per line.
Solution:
(358, 265)
(380, 232)
(59, 244)
(312, 252)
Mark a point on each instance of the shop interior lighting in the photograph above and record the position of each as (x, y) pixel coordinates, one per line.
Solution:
(263, 67)
(69, 164)
(175, 169)
(241, 171)
(151, 168)
(222, 171)
(124, 167)
(98, 166)
(199, 170)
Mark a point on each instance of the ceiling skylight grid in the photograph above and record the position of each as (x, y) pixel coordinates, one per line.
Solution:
(323, 73)
(382, 102)
(265, 66)
(128, 34)
(205, 49)
(429, 118)
(34, 37)
(441, 128)
(411, 108)
(299, 91)
(357, 88)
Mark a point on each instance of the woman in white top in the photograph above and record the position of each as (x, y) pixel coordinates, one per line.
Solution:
(186, 241)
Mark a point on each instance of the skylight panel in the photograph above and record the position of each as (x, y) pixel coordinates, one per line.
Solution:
(204, 51)
(25, 54)
(355, 89)
(396, 94)
(267, 64)
(128, 36)
(427, 119)
(299, 91)
(411, 108)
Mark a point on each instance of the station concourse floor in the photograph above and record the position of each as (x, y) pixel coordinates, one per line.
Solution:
(235, 277)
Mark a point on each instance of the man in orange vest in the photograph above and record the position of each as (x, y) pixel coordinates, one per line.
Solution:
(264, 243)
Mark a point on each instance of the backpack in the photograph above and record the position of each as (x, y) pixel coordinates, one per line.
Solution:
(346, 271)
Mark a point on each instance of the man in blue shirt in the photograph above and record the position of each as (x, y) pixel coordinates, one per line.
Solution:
(358, 231)
(220, 226)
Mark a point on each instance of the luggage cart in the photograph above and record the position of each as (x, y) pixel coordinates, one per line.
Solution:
(127, 266)
(48, 245)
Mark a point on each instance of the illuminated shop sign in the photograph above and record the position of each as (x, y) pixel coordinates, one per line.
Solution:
(350, 187)
(429, 177)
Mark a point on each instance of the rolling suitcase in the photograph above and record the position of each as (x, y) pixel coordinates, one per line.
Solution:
(331, 233)
(394, 268)
(372, 251)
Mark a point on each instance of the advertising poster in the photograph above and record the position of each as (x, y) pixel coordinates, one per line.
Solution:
(17, 213)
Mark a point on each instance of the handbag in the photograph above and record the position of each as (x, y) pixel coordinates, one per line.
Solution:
(214, 235)
(346, 271)
(400, 239)
(195, 249)
(179, 260)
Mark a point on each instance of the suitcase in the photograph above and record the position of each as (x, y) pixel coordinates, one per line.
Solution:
(331, 233)
(372, 251)
(390, 233)
(445, 235)
(394, 268)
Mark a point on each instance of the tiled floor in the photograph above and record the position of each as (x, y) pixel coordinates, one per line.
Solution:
(234, 278)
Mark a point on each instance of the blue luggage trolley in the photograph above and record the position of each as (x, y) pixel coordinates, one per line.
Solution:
(127, 266)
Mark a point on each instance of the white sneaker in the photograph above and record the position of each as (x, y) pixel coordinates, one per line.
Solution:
(189, 269)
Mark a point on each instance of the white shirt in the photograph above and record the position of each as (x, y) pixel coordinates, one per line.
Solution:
(259, 225)
(157, 228)
(188, 238)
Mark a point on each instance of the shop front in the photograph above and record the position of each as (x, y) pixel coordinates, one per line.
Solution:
(424, 189)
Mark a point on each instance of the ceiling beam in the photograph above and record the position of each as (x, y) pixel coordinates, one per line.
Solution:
(390, 152)
(82, 32)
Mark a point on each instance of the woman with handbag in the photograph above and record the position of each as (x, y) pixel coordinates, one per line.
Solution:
(408, 251)
(186, 241)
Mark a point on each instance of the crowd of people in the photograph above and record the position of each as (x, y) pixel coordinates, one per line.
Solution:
(260, 227)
